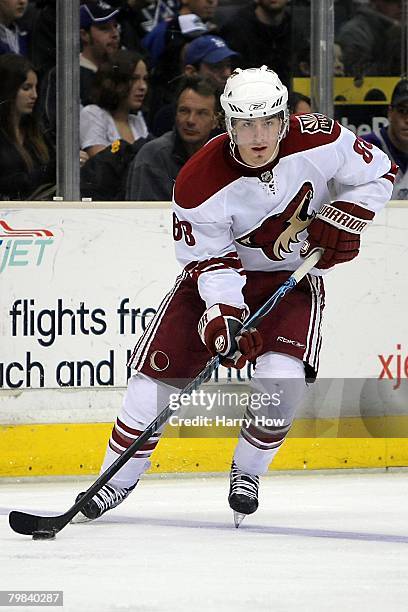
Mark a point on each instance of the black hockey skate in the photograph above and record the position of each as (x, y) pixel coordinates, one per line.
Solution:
(243, 494)
(107, 498)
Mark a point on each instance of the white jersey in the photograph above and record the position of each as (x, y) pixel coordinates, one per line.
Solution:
(229, 219)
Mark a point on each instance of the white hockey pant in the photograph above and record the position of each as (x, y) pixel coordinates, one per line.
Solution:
(143, 401)
(277, 389)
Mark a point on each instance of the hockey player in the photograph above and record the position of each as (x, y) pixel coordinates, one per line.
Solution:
(247, 207)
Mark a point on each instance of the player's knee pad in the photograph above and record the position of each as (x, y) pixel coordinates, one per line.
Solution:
(277, 388)
(278, 385)
(144, 399)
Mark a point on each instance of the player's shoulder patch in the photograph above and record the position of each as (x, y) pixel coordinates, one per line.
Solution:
(204, 174)
(313, 123)
(308, 132)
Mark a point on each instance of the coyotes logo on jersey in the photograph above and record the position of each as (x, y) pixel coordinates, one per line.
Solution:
(277, 233)
(313, 123)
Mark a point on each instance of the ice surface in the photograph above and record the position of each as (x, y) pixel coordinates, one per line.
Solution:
(319, 542)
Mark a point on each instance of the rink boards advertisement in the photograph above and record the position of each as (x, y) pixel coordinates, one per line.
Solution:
(79, 287)
(80, 284)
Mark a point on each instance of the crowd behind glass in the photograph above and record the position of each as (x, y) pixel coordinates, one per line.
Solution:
(150, 78)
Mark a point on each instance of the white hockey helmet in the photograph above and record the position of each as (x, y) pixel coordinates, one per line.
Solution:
(255, 92)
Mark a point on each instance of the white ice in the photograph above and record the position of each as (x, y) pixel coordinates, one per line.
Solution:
(318, 543)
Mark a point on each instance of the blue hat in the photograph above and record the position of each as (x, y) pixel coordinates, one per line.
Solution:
(96, 13)
(208, 49)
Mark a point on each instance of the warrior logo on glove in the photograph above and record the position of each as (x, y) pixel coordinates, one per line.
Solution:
(277, 233)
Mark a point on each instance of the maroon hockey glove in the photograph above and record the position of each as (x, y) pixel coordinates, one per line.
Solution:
(337, 228)
(218, 329)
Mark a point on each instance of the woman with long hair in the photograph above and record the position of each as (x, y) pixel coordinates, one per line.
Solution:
(119, 92)
(27, 162)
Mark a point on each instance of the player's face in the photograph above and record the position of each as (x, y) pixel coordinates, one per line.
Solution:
(398, 128)
(257, 138)
(138, 88)
(12, 9)
(27, 95)
(195, 117)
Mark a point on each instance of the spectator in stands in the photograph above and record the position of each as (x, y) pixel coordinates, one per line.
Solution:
(393, 140)
(263, 32)
(43, 37)
(365, 39)
(299, 104)
(302, 62)
(27, 161)
(207, 56)
(135, 20)
(338, 62)
(169, 37)
(154, 169)
(104, 176)
(138, 17)
(99, 40)
(12, 39)
(119, 93)
(165, 44)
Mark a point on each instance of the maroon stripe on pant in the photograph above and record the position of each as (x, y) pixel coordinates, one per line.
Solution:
(138, 454)
(132, 432)
(126, 442)
(266, 437)
(261, 445)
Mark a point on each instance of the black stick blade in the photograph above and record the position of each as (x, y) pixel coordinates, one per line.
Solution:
(26, 524)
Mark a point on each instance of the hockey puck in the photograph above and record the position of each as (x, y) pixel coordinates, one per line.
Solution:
(44, 534)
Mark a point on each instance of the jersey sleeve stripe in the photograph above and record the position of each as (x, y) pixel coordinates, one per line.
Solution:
(391, 174)
(230, 260)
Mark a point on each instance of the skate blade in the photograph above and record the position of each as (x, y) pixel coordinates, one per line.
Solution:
(80, 518)
(238, 518)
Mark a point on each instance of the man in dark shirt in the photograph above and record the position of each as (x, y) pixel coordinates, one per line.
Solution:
(264, 33)
(393, 139)
(207, 56)
(367, 38)
(99, 39)
(156, 166)
(165, 45)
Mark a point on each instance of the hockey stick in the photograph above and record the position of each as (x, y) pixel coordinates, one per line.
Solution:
(48, 526)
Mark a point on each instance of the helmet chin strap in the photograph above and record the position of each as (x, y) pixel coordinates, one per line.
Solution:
(240, 161)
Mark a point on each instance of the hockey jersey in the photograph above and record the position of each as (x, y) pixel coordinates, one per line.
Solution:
(229, 219)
